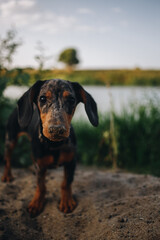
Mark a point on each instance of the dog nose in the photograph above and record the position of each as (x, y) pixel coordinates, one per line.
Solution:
(59, 130)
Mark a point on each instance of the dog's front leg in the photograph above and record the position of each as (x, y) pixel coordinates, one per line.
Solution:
(36, 205)
(9, 146)
(67, 203)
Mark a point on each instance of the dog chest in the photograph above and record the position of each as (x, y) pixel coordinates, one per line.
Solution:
(52, 161)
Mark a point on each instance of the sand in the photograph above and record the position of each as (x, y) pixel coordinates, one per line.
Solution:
(111, 205)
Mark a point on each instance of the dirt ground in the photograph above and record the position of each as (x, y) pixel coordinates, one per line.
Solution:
(111, 205)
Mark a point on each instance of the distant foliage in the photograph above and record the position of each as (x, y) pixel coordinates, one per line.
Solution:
(19, 77)
(6, 107)
(8, 47)
(41, 57)
(97, 77)
(69, 57)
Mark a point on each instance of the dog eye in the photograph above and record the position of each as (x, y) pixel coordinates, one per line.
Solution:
(43, 99)
(71, 100)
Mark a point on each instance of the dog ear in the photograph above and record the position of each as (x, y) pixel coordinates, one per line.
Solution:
(25, 104)
(87, 99)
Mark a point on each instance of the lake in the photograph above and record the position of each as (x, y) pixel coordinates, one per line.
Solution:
(116, 98)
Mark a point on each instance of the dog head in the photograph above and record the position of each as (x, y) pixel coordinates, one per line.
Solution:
(56, 101)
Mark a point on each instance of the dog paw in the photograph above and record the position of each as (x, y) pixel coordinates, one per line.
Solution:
(7, 178)
(35, 208)
(67, 205)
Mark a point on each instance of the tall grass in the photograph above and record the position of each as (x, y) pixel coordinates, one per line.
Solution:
(89, 140)
(137, 138)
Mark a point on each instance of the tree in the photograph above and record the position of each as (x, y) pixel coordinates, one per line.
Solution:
(69, 57)
(8, 47)
(41, 57)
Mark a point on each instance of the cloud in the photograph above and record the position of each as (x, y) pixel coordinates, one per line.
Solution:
(24, 14)
(26, 3)
(124, 23)
(117, 10)
(54, 24)
(85, 11)
(93, 29)
(105, 29)
(85, 28)
(13, 6)
(6, 8)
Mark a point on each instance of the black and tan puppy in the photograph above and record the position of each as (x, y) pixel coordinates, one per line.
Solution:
(45, 112)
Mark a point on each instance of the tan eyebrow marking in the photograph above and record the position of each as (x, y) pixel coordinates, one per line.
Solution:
(66, 94)
(49, 94)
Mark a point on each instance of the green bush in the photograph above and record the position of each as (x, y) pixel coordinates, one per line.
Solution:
(19, 77)
(21, 155)
(88, 140)
(6, 107)
(138, 139)
(137, 136)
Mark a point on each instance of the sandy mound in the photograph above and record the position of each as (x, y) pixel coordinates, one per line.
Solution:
(110, 206)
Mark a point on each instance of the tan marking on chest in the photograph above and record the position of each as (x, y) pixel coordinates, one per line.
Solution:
(45, 161)
(24, 134)
(65, 157)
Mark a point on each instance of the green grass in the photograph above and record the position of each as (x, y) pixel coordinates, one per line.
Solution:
(88, 140)
(120, 77)
(135, 77)
(137, 136)
(138, 139)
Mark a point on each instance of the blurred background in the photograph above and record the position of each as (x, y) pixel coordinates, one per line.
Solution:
(112, 49)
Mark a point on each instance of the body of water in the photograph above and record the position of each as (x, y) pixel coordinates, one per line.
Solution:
(116, 98)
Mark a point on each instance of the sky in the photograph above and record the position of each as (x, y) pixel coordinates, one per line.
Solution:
(106, 33)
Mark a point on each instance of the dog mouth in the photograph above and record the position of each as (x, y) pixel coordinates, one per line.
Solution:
(57, 138)
(55, 133)
(53, 138)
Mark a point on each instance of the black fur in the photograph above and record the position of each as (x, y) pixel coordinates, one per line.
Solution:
(44, 112)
